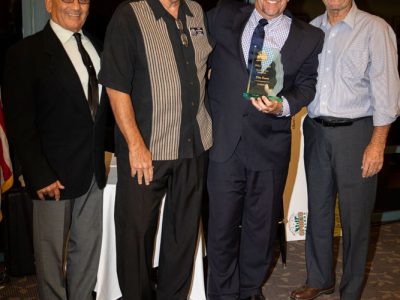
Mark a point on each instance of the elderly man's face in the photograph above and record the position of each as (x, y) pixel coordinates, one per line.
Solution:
(70, 16)
(337, 5)
(270, 9)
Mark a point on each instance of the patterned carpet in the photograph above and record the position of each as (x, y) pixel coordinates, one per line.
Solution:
(383, 269)
(383, 280)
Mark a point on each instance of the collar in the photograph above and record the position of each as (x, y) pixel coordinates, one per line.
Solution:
(63, 34)
(350, 18)
(159, 11)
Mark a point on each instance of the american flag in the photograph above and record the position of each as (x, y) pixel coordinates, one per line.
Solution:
(6, 174)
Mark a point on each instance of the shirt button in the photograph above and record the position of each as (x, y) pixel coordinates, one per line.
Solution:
(187, 62)
(191, 83)
(189, 140)
(327, 69)
(329, 51)
(324, 85)
(192, 103)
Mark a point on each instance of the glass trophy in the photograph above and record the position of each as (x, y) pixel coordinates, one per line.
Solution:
(265, 75)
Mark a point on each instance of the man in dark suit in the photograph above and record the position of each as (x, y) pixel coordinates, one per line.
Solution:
(55, 120)
(250, 157)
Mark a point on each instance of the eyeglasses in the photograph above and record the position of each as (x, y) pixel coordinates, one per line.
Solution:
(80, 1)
(184, 38)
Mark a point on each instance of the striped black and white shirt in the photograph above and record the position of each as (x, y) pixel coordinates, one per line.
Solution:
(145, 57)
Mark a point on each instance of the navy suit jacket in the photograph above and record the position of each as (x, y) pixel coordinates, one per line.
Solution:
(48, 118)
(267, 138)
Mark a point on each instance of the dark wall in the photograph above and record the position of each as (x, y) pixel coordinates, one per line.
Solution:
(207, 4)
(100, 14)
(10, 27)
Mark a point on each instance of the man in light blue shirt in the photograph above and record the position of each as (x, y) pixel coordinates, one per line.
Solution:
(345, 133)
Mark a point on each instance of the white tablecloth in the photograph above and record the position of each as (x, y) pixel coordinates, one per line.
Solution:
(107, 287)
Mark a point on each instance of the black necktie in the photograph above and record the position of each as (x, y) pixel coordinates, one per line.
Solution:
(257, 41)
(93, 87)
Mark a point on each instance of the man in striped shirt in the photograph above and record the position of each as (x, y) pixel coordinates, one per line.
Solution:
(153, 66)
(358, 93)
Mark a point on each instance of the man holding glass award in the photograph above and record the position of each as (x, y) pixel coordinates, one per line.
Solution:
(263, 71)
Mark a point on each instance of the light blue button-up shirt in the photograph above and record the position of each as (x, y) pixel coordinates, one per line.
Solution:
(357, 73)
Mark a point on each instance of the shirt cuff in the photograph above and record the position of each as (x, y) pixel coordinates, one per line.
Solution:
(285, 108)
(380, 119)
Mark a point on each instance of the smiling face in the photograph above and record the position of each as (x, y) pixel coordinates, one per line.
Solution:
(70, 16)
(270, 9)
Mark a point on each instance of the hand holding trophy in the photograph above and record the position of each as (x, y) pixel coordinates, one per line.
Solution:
(265, 75)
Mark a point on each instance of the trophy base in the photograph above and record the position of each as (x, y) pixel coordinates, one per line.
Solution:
(248, 96)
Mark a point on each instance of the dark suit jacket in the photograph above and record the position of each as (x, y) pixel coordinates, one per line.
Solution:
(48, 117)
(267, 137)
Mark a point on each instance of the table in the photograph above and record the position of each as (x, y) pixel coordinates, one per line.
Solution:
(107, 287)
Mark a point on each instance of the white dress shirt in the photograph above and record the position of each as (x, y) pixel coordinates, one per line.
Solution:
(71, 47)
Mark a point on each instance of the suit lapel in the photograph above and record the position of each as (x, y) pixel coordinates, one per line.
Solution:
(292, 42)
(64, 71)
(238, 26)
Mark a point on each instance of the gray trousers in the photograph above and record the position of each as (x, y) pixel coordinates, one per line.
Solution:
(333, 158)
(52, 220)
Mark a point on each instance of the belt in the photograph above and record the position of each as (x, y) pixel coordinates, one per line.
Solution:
(336, 122)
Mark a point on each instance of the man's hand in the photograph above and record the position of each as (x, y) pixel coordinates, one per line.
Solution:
(140, 159)
(52, 190)
(372, 160)
(374, 153)
(141, 164)
(267, 106)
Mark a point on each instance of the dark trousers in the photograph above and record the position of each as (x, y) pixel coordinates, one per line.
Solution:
(137, 209)
(244, 214)
(333, 158)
